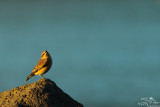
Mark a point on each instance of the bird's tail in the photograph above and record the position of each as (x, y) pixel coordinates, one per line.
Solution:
(31, 75)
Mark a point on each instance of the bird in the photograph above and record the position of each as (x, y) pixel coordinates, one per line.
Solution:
(42, 66)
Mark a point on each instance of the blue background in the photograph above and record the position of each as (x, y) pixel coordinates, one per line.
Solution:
(105, 53)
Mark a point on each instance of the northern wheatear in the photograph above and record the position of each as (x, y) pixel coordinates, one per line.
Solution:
(42, 66)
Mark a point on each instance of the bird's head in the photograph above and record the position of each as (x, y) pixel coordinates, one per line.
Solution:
(45, 54)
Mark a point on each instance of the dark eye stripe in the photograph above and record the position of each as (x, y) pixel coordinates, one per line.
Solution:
(44, 53)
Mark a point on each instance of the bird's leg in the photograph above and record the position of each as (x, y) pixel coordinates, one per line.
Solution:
(42, 76)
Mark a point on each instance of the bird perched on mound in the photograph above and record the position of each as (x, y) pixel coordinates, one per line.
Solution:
(42, 66)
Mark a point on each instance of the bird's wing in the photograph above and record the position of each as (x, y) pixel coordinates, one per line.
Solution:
(39, 65)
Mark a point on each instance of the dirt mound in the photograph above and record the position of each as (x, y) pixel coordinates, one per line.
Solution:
(43, 93)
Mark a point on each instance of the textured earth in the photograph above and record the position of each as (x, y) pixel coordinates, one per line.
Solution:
(43, 93)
